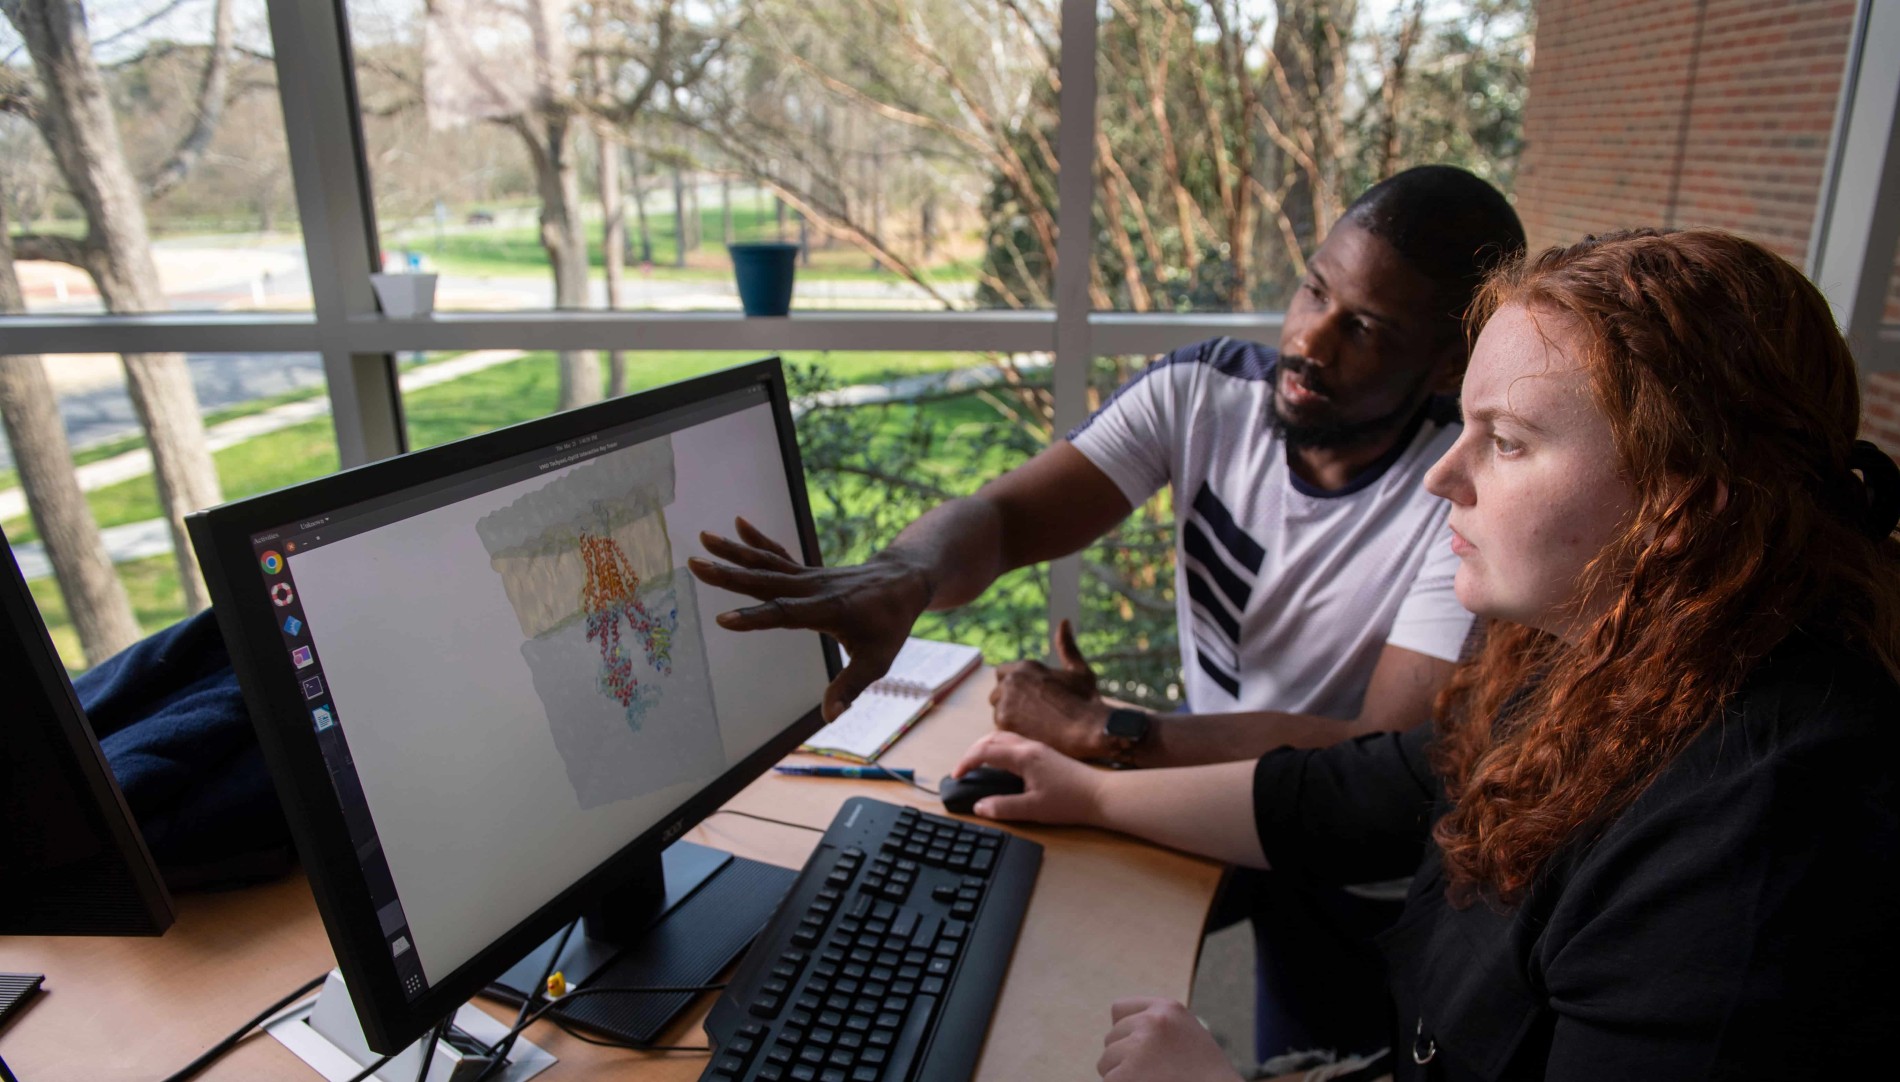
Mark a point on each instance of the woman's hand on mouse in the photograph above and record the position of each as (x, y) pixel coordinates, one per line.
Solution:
(1160, 1039)
(1056, 788)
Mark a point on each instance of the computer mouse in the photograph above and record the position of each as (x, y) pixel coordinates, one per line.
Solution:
(960, 794)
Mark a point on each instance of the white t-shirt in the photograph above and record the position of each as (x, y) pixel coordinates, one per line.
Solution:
(1285, 593)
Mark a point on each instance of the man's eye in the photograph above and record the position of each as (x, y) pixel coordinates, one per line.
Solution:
(1505, 445)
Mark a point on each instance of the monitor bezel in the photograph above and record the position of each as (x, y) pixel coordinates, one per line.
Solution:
(222, 536)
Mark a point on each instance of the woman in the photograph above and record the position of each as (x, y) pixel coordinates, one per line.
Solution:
(1655, 830)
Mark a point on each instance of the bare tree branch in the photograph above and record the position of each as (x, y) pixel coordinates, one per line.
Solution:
(53, 249)
(211, 102)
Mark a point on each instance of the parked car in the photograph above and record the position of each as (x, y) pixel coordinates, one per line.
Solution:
(480, 217)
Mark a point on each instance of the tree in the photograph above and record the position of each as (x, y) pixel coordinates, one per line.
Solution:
(473, 71)
(102, 614)
(72, 110)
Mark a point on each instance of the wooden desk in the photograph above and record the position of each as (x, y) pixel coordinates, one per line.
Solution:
(1110, 917)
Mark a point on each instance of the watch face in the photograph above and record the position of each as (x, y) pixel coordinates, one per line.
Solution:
(1127, 724)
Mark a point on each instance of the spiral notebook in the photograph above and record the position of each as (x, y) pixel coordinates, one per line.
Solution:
(921, 675)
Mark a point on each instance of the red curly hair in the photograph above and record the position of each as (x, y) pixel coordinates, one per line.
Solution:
(1733, 403)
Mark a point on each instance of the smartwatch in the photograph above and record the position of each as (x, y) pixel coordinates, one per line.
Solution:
(1126, 729)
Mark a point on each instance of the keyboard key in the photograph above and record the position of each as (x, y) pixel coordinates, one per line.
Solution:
(911, 1038)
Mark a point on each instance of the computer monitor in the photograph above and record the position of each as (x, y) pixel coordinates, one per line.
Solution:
(488, 689)
(72, 860)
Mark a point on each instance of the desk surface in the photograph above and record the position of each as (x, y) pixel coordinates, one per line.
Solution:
(1110, 917)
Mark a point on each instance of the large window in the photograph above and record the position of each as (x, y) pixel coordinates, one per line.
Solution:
(561, 153)
(574, 171)
(179, 198)
(1233, 133)
(265, 423)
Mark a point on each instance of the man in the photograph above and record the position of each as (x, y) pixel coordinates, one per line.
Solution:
(1313, 572)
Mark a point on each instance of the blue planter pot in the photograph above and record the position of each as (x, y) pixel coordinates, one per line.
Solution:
(764, 273)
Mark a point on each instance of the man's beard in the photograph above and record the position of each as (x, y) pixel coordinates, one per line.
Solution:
(1332, 434)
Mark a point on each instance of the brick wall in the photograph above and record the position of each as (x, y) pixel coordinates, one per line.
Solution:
(1687, 113)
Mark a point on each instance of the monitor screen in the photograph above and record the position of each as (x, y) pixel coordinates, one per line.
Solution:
(504, 670)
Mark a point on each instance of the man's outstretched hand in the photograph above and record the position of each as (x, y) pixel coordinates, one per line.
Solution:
(1058, 707)
(869, 608)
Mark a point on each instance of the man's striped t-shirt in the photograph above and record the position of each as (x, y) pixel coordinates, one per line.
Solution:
(1286, 594)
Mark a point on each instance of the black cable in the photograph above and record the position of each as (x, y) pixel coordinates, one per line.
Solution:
(191, 1069)
(564, 1027)
(534, 1017)
(498, 1052)
(428, 1050)
(769, 819)
(5, 1074)
(910, 781)
(373, 1068)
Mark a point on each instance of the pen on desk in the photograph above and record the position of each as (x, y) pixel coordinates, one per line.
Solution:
(865, 773)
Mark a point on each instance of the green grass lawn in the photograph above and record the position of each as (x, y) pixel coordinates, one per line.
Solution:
(517, 392)
(506, 394)
(511, 251)
(151, 583)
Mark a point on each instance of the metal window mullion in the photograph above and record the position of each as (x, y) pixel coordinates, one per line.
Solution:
(1075, 205)
(1857, 218)
(316, 86)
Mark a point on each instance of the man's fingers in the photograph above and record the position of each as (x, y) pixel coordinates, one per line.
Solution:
(1067, 651)
(753, 536)
(748, 555)
(821, 613)
(760, 584)
(860, 674)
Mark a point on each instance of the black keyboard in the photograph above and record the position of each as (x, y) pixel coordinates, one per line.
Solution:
(884, 962)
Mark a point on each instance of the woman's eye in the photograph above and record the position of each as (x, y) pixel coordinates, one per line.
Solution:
(1505, 445)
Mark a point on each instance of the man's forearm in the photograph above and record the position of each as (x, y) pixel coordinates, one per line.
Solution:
(958, 548)
(1198, 739)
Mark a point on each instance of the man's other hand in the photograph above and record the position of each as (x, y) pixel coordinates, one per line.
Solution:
(869, 608)
(1058, 707)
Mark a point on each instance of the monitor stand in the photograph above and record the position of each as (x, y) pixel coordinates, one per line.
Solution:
(679, 929)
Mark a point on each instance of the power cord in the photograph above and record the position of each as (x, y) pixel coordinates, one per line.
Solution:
(910, 781)
(191, 1069)
(544, 1008)
(769, 819)
(5, 1074)
(500, 1049)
